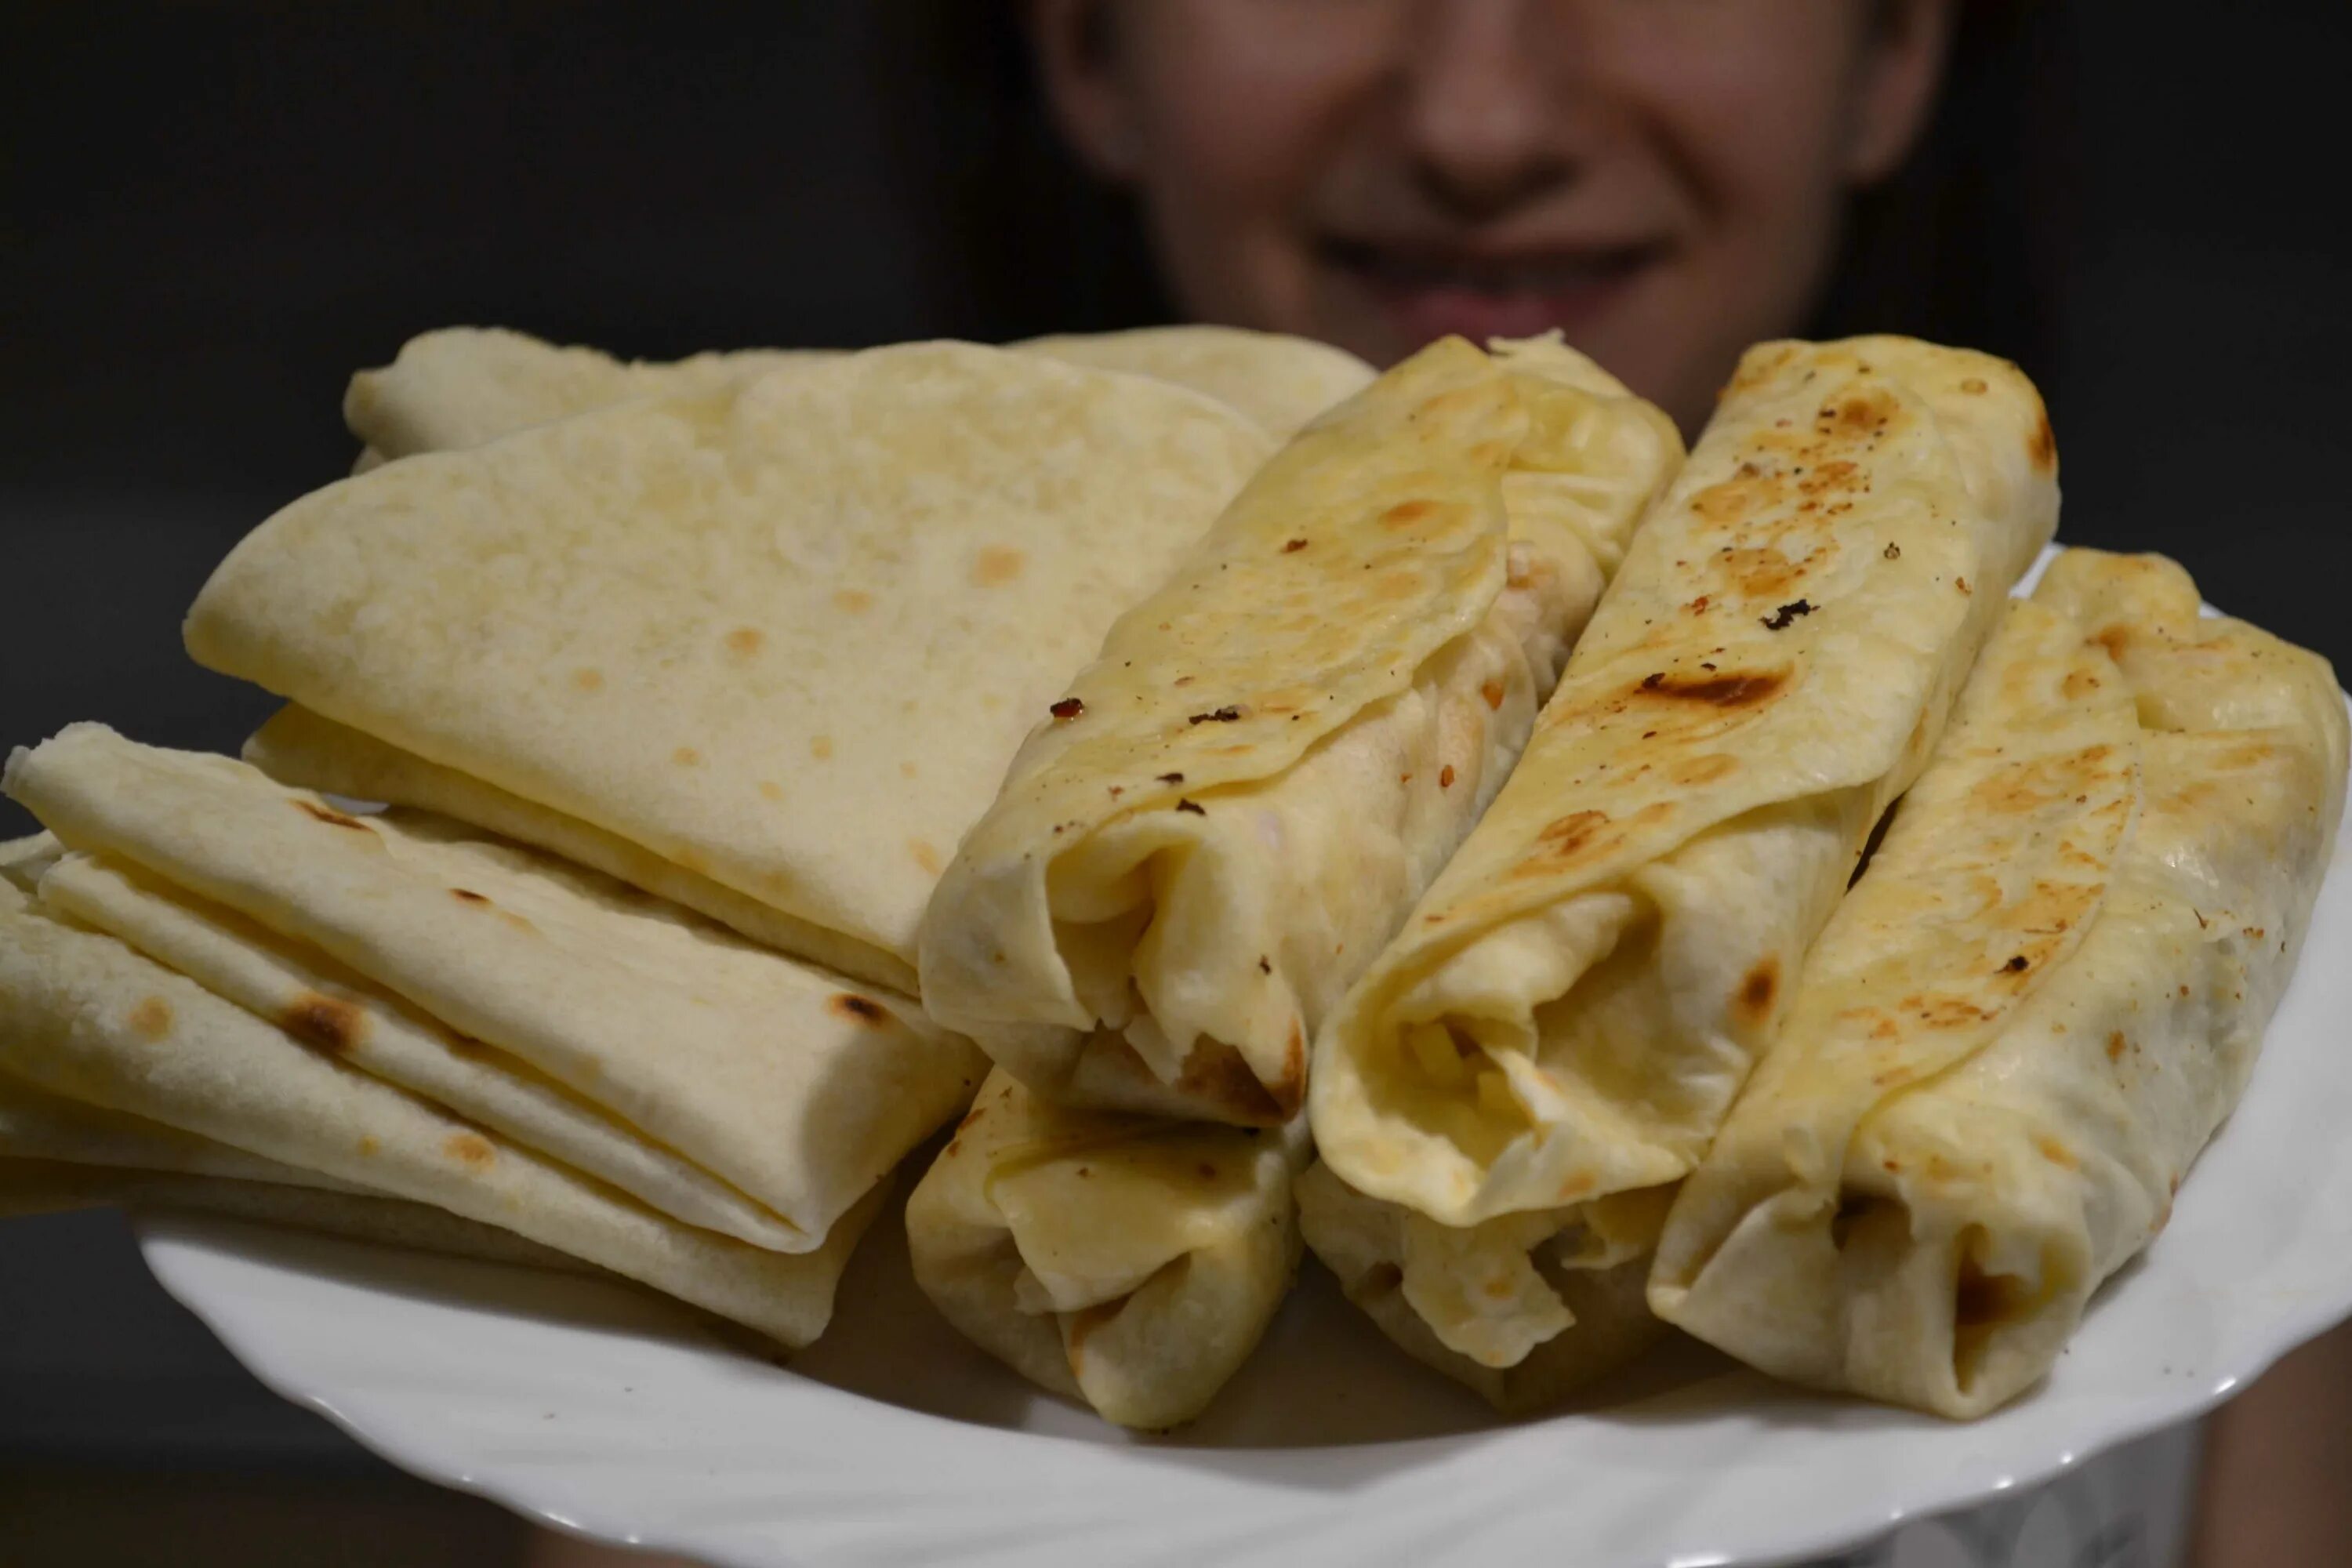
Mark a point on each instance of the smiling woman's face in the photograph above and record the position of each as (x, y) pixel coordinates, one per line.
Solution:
(1662, 178)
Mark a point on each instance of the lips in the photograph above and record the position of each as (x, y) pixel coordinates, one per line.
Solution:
(1428, 292)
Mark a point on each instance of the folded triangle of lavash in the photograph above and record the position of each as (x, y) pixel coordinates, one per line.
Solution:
(701, 1073)
(764, 650)
(2017, 1034)
(461, 386)
(87, 1020)
(1389, 600)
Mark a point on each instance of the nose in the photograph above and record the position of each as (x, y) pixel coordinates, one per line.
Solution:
(1482, 119)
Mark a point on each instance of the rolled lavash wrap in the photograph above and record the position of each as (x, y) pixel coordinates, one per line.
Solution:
(462, 386)
(778, 640)
(1134, 1261)
(1229, 810)
(2031, 1013)
(1129, 1262)
(88, 1020)
(1570, 1011)
(719, 1082)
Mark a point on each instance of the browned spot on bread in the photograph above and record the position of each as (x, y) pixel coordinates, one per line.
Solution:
(1974, 386)
(971, 1117)
(1205, 1171)
(1736, 500)
(151, 1019)
(1445, 777)
(1862, 411)
(1744, 689)
(2116, 1045)
(467, 895)
(1215, 1073)
(2044, 446)
(1405, 514)
(1760, 987)
(1291, 1092)
(470, 1150)
(686, 757)
(1576, 1187)
(325, 1023)
(906, 770)
(1294, 546)
(925, 856)
(863, 1009)
(1567, 834)
(820, 747)
(1704, 770)
(996, 565)
(2057, 1153)
(744, 641)
(588, 679)
(368, 1145)
(855, 601)
(771, 790)
(1498, 1288)
(1493, 692)
(329, 815)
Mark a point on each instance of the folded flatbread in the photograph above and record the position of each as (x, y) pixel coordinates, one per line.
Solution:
(85, 1018)
(1568, 1012)
(645, 1046)
(461, 386)
(783, 637)
(42, 1186)
(1233, 806)
(1592, 1280)
(2032, 1011)
(1129, 1262)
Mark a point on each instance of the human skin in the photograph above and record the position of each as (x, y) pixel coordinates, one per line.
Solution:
(1663, 179)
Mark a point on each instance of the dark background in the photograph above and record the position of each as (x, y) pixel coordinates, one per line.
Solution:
(214, 212)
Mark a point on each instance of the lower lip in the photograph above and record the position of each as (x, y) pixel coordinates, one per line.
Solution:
(1425, 312)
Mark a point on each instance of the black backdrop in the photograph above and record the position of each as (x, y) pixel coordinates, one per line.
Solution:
(214, 210)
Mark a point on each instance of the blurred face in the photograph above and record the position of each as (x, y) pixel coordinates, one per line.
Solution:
(1664, 179)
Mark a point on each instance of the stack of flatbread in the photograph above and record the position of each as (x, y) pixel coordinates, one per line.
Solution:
(682, 682)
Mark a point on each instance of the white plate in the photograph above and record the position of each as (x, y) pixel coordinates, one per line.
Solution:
(608, 1412)
(893, 1442)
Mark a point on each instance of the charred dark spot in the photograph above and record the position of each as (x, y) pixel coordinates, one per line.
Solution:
(1224, 715)
(1760, 987)
(1194, 806)
(2016, 965)
(1445, 777)
(329, 815)
(1733, 690)
(863, 1009)
(1294, 546)
(327, 1024)
(1172, 778)
(1068, 707)
(468, 896)
(1778, 621)
(1263, 966)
